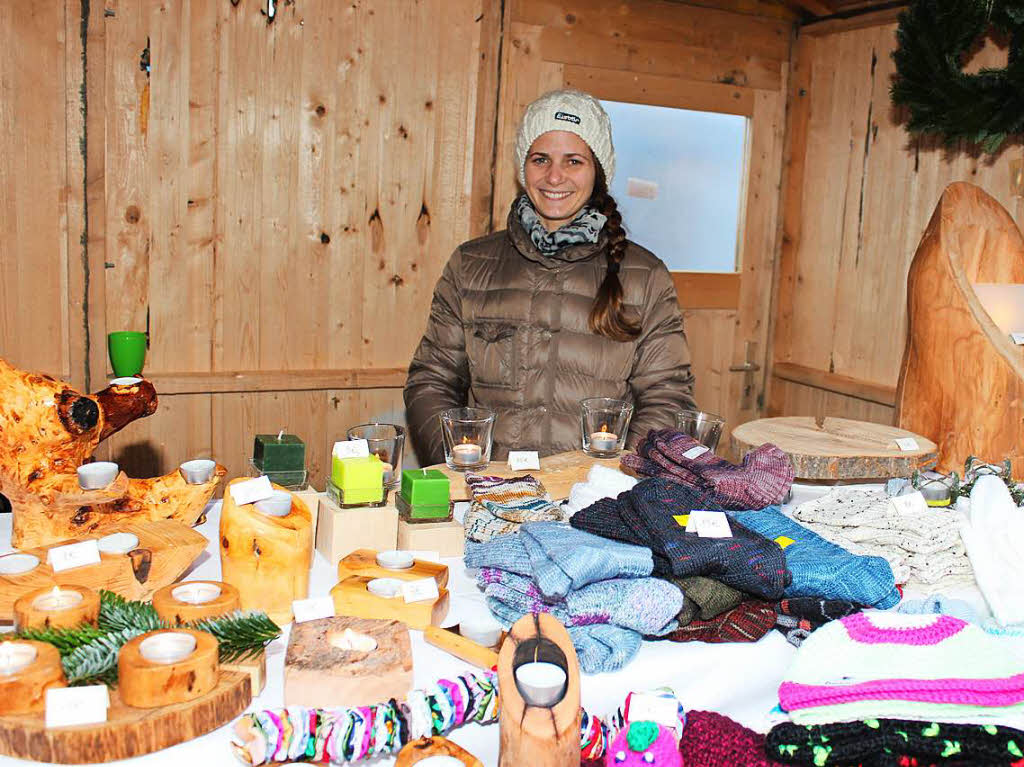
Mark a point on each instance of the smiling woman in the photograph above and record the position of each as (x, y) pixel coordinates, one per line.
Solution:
(558, 307)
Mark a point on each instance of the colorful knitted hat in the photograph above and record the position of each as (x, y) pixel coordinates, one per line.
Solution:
(714, 740)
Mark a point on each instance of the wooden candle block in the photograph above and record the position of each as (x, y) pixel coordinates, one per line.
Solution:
(23, 689)
(352, 598)
(195, 601)
(541, 736)
(145, 683)
(448, 539)
(255, 668)
(364, 562)
(340, 531)
(266, 557)
(423, 748)
(56, 607)
(451, 641)
(319, 672)
(166, 550)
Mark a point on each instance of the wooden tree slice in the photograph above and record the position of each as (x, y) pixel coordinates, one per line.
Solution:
(836, 448)
(128, 732)
(558, 473)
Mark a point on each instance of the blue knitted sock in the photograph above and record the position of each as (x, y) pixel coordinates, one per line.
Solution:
(604, 648)
(506, 552)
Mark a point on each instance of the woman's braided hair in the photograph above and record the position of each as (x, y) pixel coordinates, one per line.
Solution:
(608, 317)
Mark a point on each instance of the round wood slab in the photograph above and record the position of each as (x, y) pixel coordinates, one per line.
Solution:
(837, 448)
(128, 731)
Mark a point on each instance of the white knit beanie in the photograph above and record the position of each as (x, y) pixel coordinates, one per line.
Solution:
(573, 111)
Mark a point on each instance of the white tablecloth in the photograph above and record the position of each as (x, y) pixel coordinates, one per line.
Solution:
(739, 680)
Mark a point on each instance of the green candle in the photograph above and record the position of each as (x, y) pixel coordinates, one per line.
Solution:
(279, 452)
(425, 495)
(360, 480)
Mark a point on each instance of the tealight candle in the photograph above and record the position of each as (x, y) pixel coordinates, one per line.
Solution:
(385, 587)
(118, 543)
(395, 560)
(604, 441)
(198, 471)
(18, 564)
(58, 599)
(466, 454)
(541, 684)
(126, 381)
(15, 657)
(95, 476)
(482, 629)
(440, 761)
(196, 593)
(277, 505)
(352, 641)
(62, 606)
(167, 647)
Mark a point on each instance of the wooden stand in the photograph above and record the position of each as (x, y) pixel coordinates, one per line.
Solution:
(27, 616)
(25, 691)
(352, 598)
(423, 748)
(539, 737)
(266, 558)
(175, 611)
(451, 641)
(962, 379)
(318, 673)
(340, 531)
(166, 550)
(364, 562)
(448, 539)
(128, 732)
(836, 448)
(255, 668)
(145, 684)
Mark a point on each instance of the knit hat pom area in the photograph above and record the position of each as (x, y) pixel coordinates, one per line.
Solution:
(568, 110)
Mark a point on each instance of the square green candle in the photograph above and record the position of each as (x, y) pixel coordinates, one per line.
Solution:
(425, 487)
(360, 480)
(279, 452)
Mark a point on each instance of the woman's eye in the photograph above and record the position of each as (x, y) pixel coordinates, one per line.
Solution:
(539, 160)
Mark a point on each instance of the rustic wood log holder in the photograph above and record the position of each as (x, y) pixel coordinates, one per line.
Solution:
(416, 751)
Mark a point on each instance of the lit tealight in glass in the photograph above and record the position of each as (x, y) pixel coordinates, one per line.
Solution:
(604, 441)
(196, 593)
(58, 599)
(118, 543)
(466, 454)
(15, 657)
(167, 647)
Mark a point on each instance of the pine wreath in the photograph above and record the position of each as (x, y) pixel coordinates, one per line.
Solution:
(934, 35)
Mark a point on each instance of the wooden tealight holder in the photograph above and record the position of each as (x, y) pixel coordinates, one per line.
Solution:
(195, 601)
(452, 641)
(352, 598)
(320, 671)
(423, 748)
(49, 607)
(541, 736)
(23, 689)
(145, 683)
(340, 531)
(265, 557)
(364, 562)
(447, 538)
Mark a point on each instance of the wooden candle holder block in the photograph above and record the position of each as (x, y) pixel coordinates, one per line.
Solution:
(451, 641)
(538, 736)
(166, 550)
(28, 616)
(177, 611)
(351, 598)
(255, 668)
(265, 557)
(447, 538)
(364, 562)
(423, 748)
(318, 673)
(25, 691)
(311, 498)
(146, 684)
(340, 531)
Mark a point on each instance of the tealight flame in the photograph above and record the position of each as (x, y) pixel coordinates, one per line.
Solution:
(604, 428)
(467, 441)
(56, 592)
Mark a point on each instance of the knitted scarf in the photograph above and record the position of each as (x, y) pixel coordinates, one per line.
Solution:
(584, 228)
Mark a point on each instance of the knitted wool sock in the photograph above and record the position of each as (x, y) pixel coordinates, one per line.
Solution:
(500, 505)
(647, 605)
(646, 515)
(894, 742)
(711, 597)
(747, 622)
(799, 616)
(714, 740)
(603, 647)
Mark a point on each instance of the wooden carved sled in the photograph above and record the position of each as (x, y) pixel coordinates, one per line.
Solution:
(48, 430)
(962, 380)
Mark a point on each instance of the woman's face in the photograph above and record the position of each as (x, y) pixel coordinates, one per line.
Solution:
(560, 172)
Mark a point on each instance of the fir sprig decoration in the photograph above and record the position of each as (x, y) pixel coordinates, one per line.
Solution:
(97, 661)
(66, 640)
(118, 613)
(240, 635)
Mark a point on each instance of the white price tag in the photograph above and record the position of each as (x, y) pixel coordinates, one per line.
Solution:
(73, 555)
(645, 707)
(312, 609)
(911, 503)
(251, 490)
(352, 448)
(523, 460)
(907, 443)
(713, 524)
(696, 452)
(67, 706)
(419, 590)
(1017, 338)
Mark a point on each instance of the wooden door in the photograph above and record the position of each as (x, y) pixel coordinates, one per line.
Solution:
(669, 54)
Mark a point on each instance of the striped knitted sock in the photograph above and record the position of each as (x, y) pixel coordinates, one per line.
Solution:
(501, 504)
(747, 622)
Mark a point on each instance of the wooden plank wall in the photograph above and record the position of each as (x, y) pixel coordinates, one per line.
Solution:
(859, 192)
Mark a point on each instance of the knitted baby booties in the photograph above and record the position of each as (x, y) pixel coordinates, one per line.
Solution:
(644, 743)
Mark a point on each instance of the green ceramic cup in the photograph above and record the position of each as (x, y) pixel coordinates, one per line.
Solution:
(127, 352)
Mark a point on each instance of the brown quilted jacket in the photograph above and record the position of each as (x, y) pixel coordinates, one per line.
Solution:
(508, 330)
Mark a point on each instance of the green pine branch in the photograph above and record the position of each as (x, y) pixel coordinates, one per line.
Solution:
(66, 640)
(96, 662)
(118, 613)
(240, 635)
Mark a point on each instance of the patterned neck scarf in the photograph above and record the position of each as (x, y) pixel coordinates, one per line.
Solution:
(584, 228)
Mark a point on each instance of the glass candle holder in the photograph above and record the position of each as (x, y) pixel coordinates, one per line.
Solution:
(467, 433)
(387, 442)
(938, 489)
(706, 428)
(604, 423)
